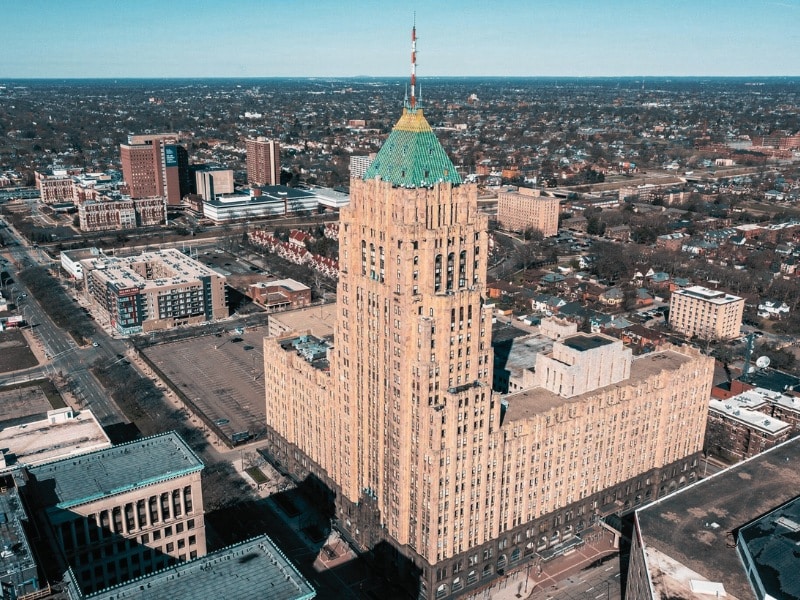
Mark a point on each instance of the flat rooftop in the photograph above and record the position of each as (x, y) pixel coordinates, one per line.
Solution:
(535, 401)
(703, 293)
(738, 411)
(320, 320)
(519, 353)
(118, 469)
(582, 342)
(771, 544)
(771, 379)
(40, 441)
(169, 266)
(252, 569)
(690, 533)
(12, 537)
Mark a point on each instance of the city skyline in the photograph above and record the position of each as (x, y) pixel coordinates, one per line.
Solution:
(86, 39)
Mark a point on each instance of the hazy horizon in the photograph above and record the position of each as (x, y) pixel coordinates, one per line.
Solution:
(89, 39)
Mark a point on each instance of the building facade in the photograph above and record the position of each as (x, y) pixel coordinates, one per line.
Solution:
(123, 512)
(212, 181)
(153, 291)
(401, 424)
(524, 208)
(56, 185)
(116, 214)
(281, 294)
(738, 428)
(359, 165)
(263, 161)
(155, 165)
(706, 314)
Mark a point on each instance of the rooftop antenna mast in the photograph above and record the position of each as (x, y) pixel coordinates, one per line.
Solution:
(413, 100)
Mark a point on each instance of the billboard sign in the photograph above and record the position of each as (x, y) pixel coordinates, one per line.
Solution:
(171, 156)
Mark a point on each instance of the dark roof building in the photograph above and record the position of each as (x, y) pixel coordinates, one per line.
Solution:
(692, 543)
(255, 568)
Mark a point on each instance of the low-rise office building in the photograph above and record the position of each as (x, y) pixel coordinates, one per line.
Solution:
(281, 294)
(122, 512)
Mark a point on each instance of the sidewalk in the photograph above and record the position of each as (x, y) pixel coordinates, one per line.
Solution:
(537, 576)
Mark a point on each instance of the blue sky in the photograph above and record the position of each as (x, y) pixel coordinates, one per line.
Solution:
(279, 38)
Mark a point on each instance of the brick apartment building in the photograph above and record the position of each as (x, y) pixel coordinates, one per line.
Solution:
(519, 209)
(706, 314)
(263, 161)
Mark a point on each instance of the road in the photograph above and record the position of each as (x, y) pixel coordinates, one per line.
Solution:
(598, 583)
(63, 354)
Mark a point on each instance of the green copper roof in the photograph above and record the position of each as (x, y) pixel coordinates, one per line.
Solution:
(412, 156)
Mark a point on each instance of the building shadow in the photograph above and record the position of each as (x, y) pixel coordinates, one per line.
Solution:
(90, 552)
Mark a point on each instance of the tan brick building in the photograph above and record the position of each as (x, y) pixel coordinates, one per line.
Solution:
(122, 512)
(109, 214)
(398, 419)
(521, 208)
(263, 161)
(56, 185)
(706, 314)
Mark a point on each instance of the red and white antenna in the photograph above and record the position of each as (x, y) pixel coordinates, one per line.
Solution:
(413, 63)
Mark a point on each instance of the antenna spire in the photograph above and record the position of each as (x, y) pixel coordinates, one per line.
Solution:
(413, 101)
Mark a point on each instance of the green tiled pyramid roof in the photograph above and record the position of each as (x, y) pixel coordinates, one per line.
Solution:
(412, 156)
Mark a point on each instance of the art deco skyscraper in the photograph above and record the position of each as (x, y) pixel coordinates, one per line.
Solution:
(398, 419)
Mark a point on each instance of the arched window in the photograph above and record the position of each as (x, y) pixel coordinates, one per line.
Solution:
(450, 267)
(462, 269)
(441, 591)
(363, 257)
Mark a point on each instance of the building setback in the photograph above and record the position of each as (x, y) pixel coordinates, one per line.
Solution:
(706, 314)
(519, 209)
(263, 161)
(401, 424)
(155, 290)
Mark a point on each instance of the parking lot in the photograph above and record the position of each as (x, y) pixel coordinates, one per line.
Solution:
(222, 374)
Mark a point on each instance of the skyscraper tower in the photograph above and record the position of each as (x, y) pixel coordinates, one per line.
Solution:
(155, 165)
(413, 340)
(263, 161)
(398, 419)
